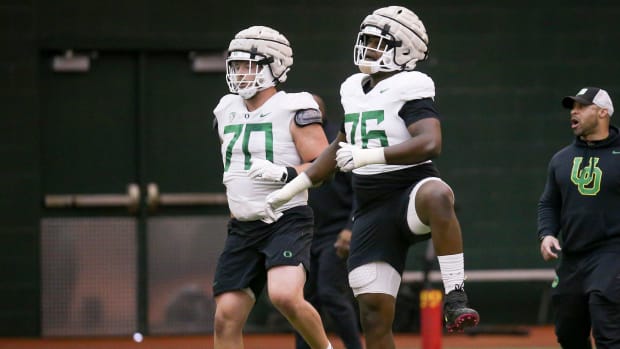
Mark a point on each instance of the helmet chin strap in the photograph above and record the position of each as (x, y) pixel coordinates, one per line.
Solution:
(368, 69)
(384, 63)
(248, 93)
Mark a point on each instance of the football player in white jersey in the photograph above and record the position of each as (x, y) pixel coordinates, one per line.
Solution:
(267, 138)
(390, 134)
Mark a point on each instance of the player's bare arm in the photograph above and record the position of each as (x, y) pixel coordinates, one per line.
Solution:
(310, 141)
(325, 164)
(319, 170)
(425, 144)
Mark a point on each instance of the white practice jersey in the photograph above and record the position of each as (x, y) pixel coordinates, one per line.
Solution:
(260, 134)
(371, 119)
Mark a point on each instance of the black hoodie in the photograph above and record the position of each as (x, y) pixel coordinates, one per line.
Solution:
(332, 203)
(581, 200)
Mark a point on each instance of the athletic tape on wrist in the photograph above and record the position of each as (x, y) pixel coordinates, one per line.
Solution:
(297, 185)
(372, 156)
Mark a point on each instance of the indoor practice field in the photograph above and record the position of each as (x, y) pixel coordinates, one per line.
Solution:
(536, 338)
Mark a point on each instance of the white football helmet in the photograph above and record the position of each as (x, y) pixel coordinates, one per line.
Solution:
(268, 56)
(402, 41)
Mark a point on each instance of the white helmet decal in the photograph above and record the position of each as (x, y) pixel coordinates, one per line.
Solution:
(260, 48)
(402, 41)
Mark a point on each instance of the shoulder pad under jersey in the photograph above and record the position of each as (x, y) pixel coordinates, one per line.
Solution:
(352, 85)
(298, 101)
(414, 85)
(224, 103)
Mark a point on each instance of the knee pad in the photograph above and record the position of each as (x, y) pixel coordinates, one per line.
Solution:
(376, 277)
(413, 221)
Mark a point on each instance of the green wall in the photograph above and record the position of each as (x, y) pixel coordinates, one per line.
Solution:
(19, 171)
(500, 67)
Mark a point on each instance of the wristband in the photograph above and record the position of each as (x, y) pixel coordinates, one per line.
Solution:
(291, 173)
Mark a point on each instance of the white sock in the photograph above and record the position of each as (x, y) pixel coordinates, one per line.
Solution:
(452, 271)
(329, 346)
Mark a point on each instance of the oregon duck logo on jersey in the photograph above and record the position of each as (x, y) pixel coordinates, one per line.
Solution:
(587, 179)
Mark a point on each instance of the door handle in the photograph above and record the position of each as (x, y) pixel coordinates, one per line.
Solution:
(131, 199)
(154, 198)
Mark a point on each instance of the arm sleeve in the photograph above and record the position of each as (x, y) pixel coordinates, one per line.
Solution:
(549, 207)
(305, 117)
(418, 109)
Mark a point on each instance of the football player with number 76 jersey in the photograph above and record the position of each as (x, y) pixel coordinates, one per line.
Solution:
(267, 138)
(390, 133)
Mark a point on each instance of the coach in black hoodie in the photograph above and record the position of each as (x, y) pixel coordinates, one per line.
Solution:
(580, 205)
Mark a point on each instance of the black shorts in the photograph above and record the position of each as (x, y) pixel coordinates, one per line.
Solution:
(254, 247)
(380, 229)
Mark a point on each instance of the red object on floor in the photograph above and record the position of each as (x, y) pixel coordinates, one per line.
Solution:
(431, 322)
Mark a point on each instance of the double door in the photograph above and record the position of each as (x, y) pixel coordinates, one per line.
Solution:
(134, 209)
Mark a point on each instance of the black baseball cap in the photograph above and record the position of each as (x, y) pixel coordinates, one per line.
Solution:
(588, 96)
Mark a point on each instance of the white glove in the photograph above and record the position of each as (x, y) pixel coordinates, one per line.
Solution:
(350, 157)
(279, 197)
(267, 171)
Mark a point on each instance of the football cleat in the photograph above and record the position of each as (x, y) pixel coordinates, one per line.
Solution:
(457, 314)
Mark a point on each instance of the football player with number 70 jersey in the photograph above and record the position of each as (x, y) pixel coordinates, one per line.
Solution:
(391, 132)
(267, 137)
